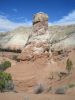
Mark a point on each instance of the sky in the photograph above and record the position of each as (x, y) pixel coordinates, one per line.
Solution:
(15, 13)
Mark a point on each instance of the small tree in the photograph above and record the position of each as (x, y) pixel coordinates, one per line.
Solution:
(69, 65)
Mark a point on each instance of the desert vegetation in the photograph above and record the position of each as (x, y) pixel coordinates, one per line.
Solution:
(69, 65)
(10, 50)
(6, 83)
(39, 88)
(15, 57)
(71, 85)
(61, 90)
(4, 65)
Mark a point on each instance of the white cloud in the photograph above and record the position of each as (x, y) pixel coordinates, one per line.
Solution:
(66, 20)
(7, 25)
(50, 24)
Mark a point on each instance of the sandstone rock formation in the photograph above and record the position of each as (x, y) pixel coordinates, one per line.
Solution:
(37, 45)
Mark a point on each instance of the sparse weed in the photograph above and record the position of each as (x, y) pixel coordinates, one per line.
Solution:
(69, 65)
(39, 88)
(14, 57)
(71, 85)
(61, 90)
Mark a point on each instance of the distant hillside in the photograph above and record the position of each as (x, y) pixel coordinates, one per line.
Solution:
(62, 31)
(18, 37)
(64, 35)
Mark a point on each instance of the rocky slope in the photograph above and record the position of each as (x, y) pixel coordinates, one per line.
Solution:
(15, 39)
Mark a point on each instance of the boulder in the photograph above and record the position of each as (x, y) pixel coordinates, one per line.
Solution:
(40, 21)
(34, 51)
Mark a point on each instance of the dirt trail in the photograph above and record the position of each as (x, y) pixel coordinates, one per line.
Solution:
(22, 96)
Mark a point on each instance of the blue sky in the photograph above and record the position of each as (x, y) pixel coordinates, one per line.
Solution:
(15, 13)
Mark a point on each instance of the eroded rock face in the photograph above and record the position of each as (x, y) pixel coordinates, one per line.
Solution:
(34, 51)
(40, 22)
(37, 45)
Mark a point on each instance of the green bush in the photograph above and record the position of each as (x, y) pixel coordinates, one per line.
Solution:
(69, 65)
(4, 65)
(5, 81)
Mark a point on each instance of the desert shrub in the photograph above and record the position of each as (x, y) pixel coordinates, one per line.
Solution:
(61, 90)
(4, 65)
(5, 81)
(18, 50)
(10, 50)
(71, 85)
(9, 86)
(14, 57)
(39, 88)
(62, 75)
(69, 65)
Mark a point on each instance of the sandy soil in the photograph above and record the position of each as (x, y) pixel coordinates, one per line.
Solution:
(28, 74)
(22, 96)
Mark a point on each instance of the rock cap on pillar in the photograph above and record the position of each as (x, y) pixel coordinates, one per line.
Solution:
(40, 21)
